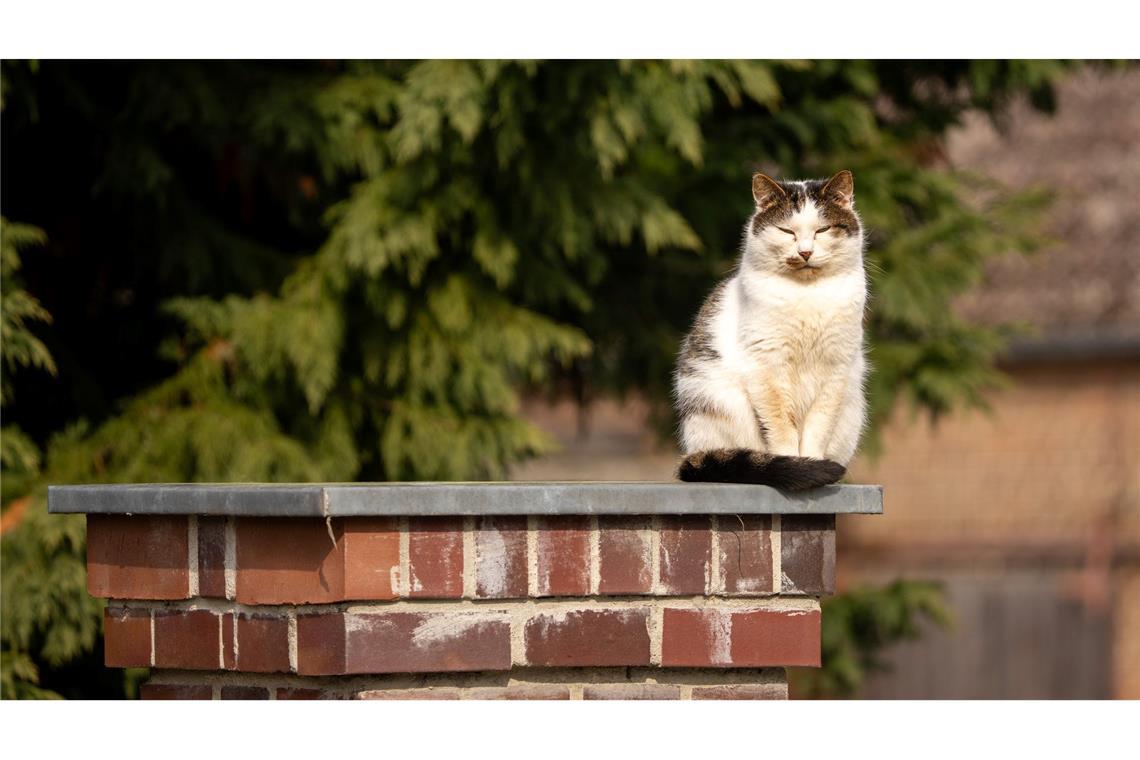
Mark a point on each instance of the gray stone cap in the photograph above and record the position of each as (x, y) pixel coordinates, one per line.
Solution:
(501, 498)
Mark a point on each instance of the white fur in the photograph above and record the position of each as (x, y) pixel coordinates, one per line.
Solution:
(790, 345)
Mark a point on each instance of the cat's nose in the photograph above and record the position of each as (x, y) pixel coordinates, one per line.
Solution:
(805, 255)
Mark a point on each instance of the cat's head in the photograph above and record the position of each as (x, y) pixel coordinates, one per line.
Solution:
(804, 229)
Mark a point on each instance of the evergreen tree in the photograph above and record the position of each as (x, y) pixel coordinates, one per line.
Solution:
(351, 271)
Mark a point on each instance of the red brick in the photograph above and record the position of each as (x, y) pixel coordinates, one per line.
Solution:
(564, 556)
(741, 691)
(371, 558)
(229, 646)
(126, 638)
(696, 638)
(320, 644)
(186, 639)
(138, 557)
(807, 554)
(244, 692)
(410, 694)
(746, 553)
(761, 638)
(426, 642)
(500, 558)
(521, 692)
(262, 643)
(686, 554)
(747, 638)
(625, 565)
(631, 691)
(174, 691)
(587, 638)
(435, 557)
(289, 560)
(212, 557)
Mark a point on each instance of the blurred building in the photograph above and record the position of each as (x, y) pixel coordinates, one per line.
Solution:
(1030, 513)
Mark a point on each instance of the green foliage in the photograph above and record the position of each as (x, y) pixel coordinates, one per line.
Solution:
(340, 271)
(48, 618)
(858, 625)
(920, 349)
(19, 347)
(47, 615)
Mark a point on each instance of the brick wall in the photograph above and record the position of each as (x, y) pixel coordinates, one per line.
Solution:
(520, 607)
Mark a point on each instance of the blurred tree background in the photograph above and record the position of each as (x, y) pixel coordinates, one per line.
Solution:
(278, 271)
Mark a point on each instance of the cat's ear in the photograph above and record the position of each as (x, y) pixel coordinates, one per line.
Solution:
(766, 191)
(840, 189)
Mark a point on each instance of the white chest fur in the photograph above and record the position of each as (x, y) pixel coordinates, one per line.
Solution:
(774, 323)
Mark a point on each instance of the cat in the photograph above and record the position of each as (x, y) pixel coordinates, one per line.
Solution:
(769, 381)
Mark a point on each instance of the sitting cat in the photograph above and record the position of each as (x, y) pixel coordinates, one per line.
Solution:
(769, 381)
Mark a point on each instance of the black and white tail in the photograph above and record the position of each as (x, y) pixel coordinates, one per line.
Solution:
(750, 466)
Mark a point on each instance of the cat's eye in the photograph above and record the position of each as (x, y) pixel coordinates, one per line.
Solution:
(823, 229)
(785, 229)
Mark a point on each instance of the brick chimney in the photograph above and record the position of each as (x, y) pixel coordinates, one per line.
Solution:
(464, 590)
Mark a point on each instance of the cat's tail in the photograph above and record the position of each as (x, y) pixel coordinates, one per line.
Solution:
(751, 466)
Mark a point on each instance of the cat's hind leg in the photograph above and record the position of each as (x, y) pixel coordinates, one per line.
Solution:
(849, 426)
(727, 423)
